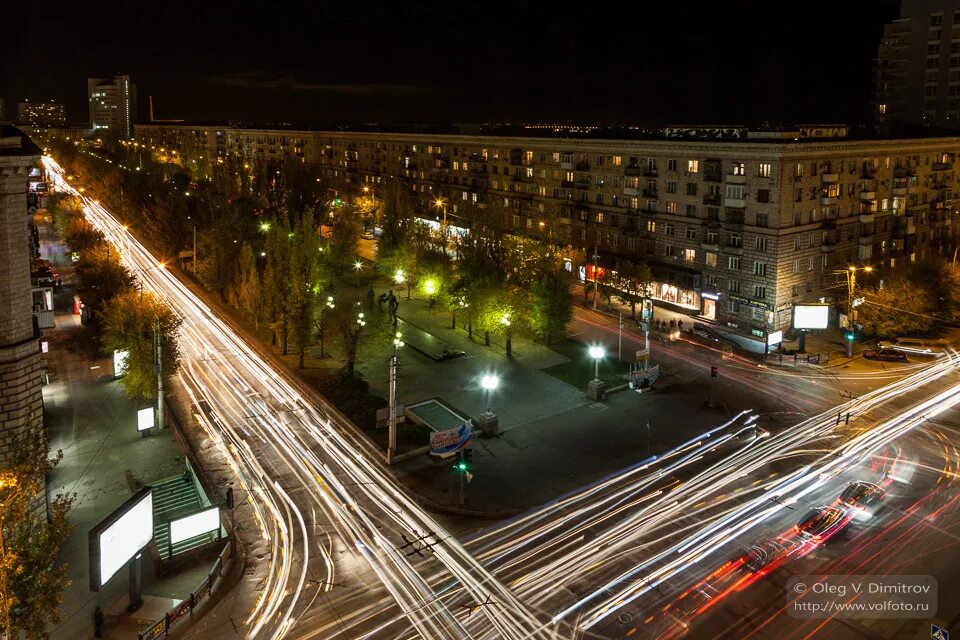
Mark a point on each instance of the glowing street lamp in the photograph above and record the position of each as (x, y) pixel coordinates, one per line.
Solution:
(597, 353)
(505, 321)
(358, 267)
(489, 383)
(264, 226)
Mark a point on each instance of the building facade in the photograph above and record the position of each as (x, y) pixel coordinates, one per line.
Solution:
(737, 230)
(113, 106)
(41, 114)
(21, 363)
(917, 70)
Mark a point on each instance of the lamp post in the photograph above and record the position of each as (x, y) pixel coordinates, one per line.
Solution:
(851, 273)
(442, 204)
(596, 387)
(400, 277)
(505, 321)
(358, 267)
(392, 419)
(489, 422)
(430, 288)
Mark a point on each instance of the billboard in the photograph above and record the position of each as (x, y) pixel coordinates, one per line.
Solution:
(195, 524)
(120, 362)
(145, 419)
(774, 337)
(811, 316)
(120, 536)
(446, 443)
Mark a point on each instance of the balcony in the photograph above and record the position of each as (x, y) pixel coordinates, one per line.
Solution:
(942, 166)
(829, 178)
(631, 191)
(905, 226)
(736, 203)
(868, 196)
(903, 172)
(736, 179)
(650, 172)
(711, 198)
(866, 239)
(650, 193)
(631, 230)
(632, 170)
(567, 166)
(711, 176)
(566, 184)
(868, 173)
(867, 218)
(899, 187)
(710, 246)
(583, 166)
(827, 201)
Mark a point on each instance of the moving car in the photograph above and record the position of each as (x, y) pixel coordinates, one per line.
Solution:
(760, 556)
(919, 346)
(885, 354)
(822, 523)
(864, 497)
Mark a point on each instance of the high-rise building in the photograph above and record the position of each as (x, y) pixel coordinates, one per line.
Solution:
(917, 70)
(21, 363)
(113, 106)
(41, 114)
(737, 226)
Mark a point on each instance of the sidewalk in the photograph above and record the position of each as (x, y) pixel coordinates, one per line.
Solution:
(91, 419)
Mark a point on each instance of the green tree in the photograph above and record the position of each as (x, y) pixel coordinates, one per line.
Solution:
(248, 295)
(899, 308)
(129, 324)
(102, 275)
(550, 306)
(276, 279)
(31, 581)
(345, 233)
(634, 281)
(304, 274)
(397, 218)
(348, 322)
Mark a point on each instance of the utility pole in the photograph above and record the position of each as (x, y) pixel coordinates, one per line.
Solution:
(392, 384)
(596, 283)
(158, 361)
(462, 472)
(620, 340)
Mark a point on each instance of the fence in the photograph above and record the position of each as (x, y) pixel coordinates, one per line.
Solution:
(185, 609)
(794, 359)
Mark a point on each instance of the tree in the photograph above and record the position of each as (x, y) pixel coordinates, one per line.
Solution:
(129, 325)
(304, 285)
(102, 275)
(550, 305)
(348, 321)
(276, 280)
(345, 231)
(397, 218)
(248, 296)
(634, 283)
(899, 308)
(31, 582)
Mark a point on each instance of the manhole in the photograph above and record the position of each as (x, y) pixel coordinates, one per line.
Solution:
(624, 618)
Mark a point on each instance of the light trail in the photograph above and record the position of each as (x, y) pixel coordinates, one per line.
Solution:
(276, 441)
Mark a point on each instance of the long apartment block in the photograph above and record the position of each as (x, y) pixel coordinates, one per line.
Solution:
(737, 228)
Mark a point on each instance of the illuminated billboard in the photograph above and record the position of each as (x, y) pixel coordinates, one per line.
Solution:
(811, 316)
(120, 537)
(145, 419)
(120, 362)
(195, 524)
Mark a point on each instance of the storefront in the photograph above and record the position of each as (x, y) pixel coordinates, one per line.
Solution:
(710, 301)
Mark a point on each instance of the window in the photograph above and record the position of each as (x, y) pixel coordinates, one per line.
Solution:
(671, 207)
(759, 292)
(668, 229)
(634, 202)
(764, 170)
(691, 188)
(796, 267)
(689, 255)
(693, 166)
(599, 217)
(798, 170)
(671, 187)
(733, 263)
(759, 268)
(737, 169)
(736, 240)
(798, 195)
(691, 211)
(761, 243)
(617, 161)
(763, 195)
(671, 165)
(763, 220)
(733, 285)
(710, 259)
(735, 192)
(652, 206)
(732, 306)
(652, 226)
(529, 171)
(691, 233)
(796, 243)
(795, 290)
(711, 237)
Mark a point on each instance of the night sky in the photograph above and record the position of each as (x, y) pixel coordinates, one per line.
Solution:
(338, 61)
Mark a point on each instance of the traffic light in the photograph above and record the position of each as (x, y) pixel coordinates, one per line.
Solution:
(714, 372)
(849, 335)
(337, 202)
(461, 466)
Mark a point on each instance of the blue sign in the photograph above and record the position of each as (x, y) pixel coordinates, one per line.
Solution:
(938, 633)
(446, 443)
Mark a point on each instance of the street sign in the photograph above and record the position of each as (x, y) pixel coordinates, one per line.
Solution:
(938, 633)
(446, 443)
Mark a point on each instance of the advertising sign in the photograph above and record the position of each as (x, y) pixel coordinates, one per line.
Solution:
(775, 337)
(446, 443)
(145, 419)
(811, 316)
(120, 536)
(195, 524)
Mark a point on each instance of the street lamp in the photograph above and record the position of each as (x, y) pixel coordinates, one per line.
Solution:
(392, 419)
(400, 277)
(596, 388)
(442, 204)
(505, 321)
(358, 267)
(430, 288)
(597, 353)
(489, 383)
(851, 273)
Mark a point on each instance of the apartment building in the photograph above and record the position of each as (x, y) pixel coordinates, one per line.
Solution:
(41, 114)
(737, 229)
(113, 106)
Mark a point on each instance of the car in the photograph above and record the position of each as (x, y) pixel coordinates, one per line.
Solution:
(761, 555)
(885, 354)
(919, 346)
(822, 523)
(865, 498)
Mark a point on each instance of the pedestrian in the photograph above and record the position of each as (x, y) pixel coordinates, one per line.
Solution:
(98, 622)
(391, 300)
(381, 300)
(370, 294)
(680, 325)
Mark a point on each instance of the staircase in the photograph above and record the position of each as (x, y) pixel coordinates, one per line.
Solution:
(174, 497)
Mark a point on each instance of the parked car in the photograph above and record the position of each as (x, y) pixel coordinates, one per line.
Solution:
(885, 354)
(822, 523)
(865, 497)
